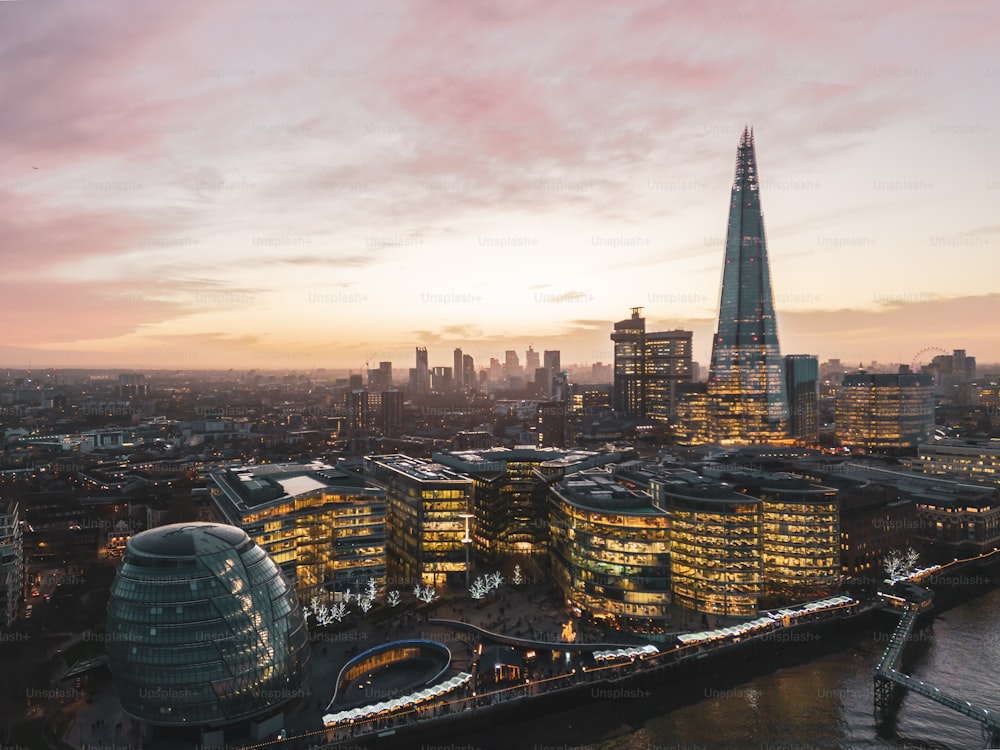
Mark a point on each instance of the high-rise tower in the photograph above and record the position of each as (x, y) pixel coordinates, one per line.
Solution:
(747, 401)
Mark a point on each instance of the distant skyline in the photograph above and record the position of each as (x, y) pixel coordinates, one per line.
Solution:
(312, 185)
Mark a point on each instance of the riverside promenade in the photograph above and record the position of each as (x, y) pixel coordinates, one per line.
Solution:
(596, 666)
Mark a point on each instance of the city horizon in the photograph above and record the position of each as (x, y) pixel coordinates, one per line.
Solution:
(329, 206)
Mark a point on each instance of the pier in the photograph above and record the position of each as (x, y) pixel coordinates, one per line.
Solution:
(891, 684)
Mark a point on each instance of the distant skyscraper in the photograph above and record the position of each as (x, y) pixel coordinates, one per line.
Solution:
(391, 412)
(458, 370)
(802, 380)
(747, 401)
(531, 361)
(423, 380)
(468, 371)
(552, 365)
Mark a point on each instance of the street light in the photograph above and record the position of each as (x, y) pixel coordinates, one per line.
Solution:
(466, 540)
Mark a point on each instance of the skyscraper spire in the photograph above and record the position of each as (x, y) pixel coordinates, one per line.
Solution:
(746, 390)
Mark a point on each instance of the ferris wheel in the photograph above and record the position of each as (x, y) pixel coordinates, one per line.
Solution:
(924, 356)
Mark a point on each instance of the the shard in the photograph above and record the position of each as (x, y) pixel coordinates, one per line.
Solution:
(747, 402)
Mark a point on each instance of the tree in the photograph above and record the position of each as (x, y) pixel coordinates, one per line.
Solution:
(366, 604)
(371, 589)
(893, 565)
(339, 611)
(518, 579)
(428, 594)
(393, 598)
(910, 559)
(479, 589)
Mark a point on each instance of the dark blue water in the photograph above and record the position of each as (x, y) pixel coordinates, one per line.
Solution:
(825, 702)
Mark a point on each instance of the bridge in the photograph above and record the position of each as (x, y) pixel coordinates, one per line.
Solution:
(890, 682)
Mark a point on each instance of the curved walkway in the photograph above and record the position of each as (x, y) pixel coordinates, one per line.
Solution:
(510, 640)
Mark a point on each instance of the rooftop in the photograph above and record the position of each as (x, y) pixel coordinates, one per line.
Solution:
(188, 539)
(597, 489)
(249, 486)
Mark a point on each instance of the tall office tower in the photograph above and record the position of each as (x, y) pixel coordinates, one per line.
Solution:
(391, 413)
(550, 361)
(628, 399)
(441, 379)
(423, 379)
(648, 368)
(354, 382)
(458, 372)
(511, 364)
(468, 371)
(380, 379)
(531, 361)
(802, 380)
(747, 402)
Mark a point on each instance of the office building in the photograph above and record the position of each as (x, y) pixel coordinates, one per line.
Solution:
(12, 584)
(648, 368)
(610, 551)
(716, 545)
(205, 633)
(884, 412)
(390, 421)
(511, 493)
(458, 368)
(325, 527)
(426, 503)
(747, 400)
(802, 381)
(978, 460)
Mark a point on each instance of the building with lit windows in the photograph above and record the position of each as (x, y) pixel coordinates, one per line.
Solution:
(325, 527)
(716, 544)
(955, 519)
(204, 632)
(648, 368)
(552, 424)
(801, 535)
(424, 519)
(692, 426)
(747, 400)
(610, 551)
(11, 562)
(802, 381)
(511, 488)
(884, 412)
(978, 460)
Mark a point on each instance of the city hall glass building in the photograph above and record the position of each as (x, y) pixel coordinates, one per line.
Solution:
(204, 630)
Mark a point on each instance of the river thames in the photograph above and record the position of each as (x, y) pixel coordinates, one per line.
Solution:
(825, 702)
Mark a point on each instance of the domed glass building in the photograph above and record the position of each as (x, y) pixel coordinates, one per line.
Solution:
(204, 630)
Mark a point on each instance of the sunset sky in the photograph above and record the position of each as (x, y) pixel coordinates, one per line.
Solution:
(321, 184)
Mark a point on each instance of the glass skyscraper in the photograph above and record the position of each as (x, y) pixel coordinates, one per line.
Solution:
(747, 401)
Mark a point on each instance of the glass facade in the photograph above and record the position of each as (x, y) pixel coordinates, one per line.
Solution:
(746, 385)
(716, 547)
(610, 552)
(203, 628)
(801, 540)
(323, 537)
(511, 491)
(884, 411)
(802, 381)
(424, 519)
